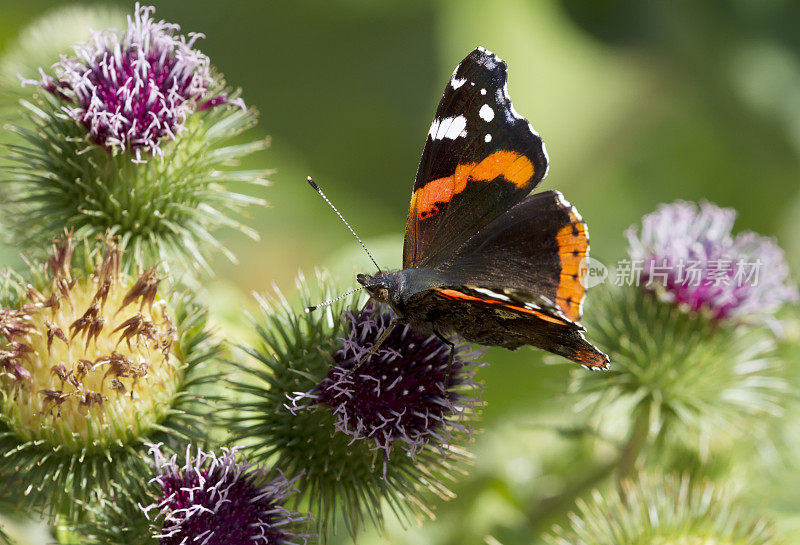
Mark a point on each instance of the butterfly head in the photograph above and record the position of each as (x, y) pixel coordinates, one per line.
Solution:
(379, 286)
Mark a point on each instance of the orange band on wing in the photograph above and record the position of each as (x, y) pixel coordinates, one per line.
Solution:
(459, 296)
(573, 247)
(512, 166)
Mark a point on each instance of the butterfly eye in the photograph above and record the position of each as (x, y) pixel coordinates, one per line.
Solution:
(383, 294)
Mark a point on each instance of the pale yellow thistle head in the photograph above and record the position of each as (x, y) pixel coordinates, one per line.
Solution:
(88, 360)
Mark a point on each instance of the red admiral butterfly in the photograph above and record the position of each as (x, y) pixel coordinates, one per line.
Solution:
(483, 257)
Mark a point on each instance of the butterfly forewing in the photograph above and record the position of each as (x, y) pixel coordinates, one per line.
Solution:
(480, 158)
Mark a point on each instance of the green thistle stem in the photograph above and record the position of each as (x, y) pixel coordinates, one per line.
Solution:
(624, 464)
(542, 515)
(638, 438)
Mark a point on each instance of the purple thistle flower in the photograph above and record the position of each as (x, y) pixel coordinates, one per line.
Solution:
(403, 392)
(690, 253)
(215, 500)
(132, 92)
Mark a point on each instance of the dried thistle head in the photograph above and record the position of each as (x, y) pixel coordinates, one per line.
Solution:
(82, 347)
(92, 364)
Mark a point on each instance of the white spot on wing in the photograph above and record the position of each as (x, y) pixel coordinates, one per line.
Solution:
(483, 91)
(455, 82)
(486, 113)
(435, 124)
(487, 138)
(488, 53)
(449, 127)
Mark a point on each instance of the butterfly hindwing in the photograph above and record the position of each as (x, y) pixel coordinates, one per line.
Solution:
(532, 252)
(497, 319)
(480, 158)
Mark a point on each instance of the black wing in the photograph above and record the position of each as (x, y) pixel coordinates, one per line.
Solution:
(480, 159)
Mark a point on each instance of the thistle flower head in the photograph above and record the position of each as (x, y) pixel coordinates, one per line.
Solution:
(134, 90)
(658, 509)
(341, 432)
(691, 255)
(77, 156)
(408, 391)
(219, 500)
(695, 383)
(697, 380)
(93, 363)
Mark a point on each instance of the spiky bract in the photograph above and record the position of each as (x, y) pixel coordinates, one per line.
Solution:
(664, 510)
(699, 379)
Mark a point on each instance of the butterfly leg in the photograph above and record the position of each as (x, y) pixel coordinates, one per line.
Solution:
(452, 346)
(378, 343)
(383, 336)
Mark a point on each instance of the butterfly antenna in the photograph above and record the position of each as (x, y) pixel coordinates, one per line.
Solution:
(313, 184)
(331, 301)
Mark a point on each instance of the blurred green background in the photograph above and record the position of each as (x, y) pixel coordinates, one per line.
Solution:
(638, 102)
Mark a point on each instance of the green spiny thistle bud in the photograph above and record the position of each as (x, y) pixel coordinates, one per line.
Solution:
(94, 363)
(664, 510)
(133, 137)
(385, 433)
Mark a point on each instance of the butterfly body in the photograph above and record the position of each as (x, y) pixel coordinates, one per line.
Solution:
(423, 308)
(484, 257)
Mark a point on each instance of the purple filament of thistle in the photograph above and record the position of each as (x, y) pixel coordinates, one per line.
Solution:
(406, 391)
(217, 500)
(691, 253)
(135, 91)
